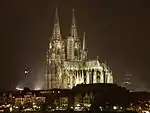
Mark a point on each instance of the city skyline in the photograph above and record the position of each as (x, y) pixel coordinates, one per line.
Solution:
(117, 32)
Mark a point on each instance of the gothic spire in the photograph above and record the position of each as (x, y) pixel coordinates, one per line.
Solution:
(83, 45)
(73, 25)
(56, 30)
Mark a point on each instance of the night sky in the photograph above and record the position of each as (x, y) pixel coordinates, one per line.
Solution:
(116, 30)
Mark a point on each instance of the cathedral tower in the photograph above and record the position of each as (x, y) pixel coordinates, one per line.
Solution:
(55, 55)
(84, 50)
(73, 42)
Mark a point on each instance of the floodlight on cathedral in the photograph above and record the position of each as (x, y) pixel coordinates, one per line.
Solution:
(67, 60)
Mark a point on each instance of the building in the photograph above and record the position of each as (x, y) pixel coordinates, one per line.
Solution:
(28, 99)
(99, 95)
(68, 63)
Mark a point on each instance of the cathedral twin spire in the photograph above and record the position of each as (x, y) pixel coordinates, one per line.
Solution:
(73, 25)
(56, 30)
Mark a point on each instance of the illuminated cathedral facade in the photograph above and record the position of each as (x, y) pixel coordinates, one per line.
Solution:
(68, 63)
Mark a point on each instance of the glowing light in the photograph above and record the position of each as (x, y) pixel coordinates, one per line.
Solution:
(145, 111)
(78, 105)
(89, 105)
(115, 107)
(37, 88)
(146, 104)
(26, 71)
(50, 45)
(20, 89)
(11, 109)
(8, 105)
(34, 106)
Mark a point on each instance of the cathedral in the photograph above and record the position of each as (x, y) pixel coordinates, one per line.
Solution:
(68, 63)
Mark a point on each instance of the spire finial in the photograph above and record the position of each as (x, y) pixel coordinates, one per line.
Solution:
(83, 42)
(56, 16)
(97, 57)
(56, 31)
(73, 14)
(73, 25)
